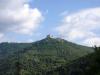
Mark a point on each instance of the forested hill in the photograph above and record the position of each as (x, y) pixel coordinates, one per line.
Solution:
(87, 65)
(60, 47)
(39, 57)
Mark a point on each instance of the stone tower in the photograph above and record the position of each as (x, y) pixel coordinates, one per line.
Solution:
(49, 36)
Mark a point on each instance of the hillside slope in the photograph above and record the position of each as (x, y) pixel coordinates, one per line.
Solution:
(87, 65)
(38, 57)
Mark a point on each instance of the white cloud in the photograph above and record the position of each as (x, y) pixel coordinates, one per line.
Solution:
(1, 35)
(92, 41)
(17, 16)
(81, 25)
(64, 13)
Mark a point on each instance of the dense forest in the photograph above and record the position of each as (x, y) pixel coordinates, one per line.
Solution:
(87, 65)
(49, 56)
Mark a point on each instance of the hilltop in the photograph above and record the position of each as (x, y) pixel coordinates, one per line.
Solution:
(38, 57)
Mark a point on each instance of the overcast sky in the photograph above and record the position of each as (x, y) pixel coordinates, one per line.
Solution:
(77, 21)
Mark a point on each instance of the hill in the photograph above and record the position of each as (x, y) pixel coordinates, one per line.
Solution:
(38, 57)
(87, 65)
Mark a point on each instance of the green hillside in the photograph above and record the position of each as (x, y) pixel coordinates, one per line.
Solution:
(87, 65)
(39, 57)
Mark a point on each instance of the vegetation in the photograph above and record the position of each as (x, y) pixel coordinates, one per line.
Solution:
(87, 65)
(50, 56)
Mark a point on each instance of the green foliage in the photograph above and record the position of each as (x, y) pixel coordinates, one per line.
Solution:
(39, 58)
(87, 65)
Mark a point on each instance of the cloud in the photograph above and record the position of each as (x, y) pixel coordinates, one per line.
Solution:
(1, 35)
(81, 26)
(92, 41)
(17, 16)
(64, 13)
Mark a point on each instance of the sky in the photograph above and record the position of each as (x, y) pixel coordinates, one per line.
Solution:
(77, 21)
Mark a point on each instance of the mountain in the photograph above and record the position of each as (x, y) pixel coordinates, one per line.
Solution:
(60, 47)
(38, 57)
(87, 65)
